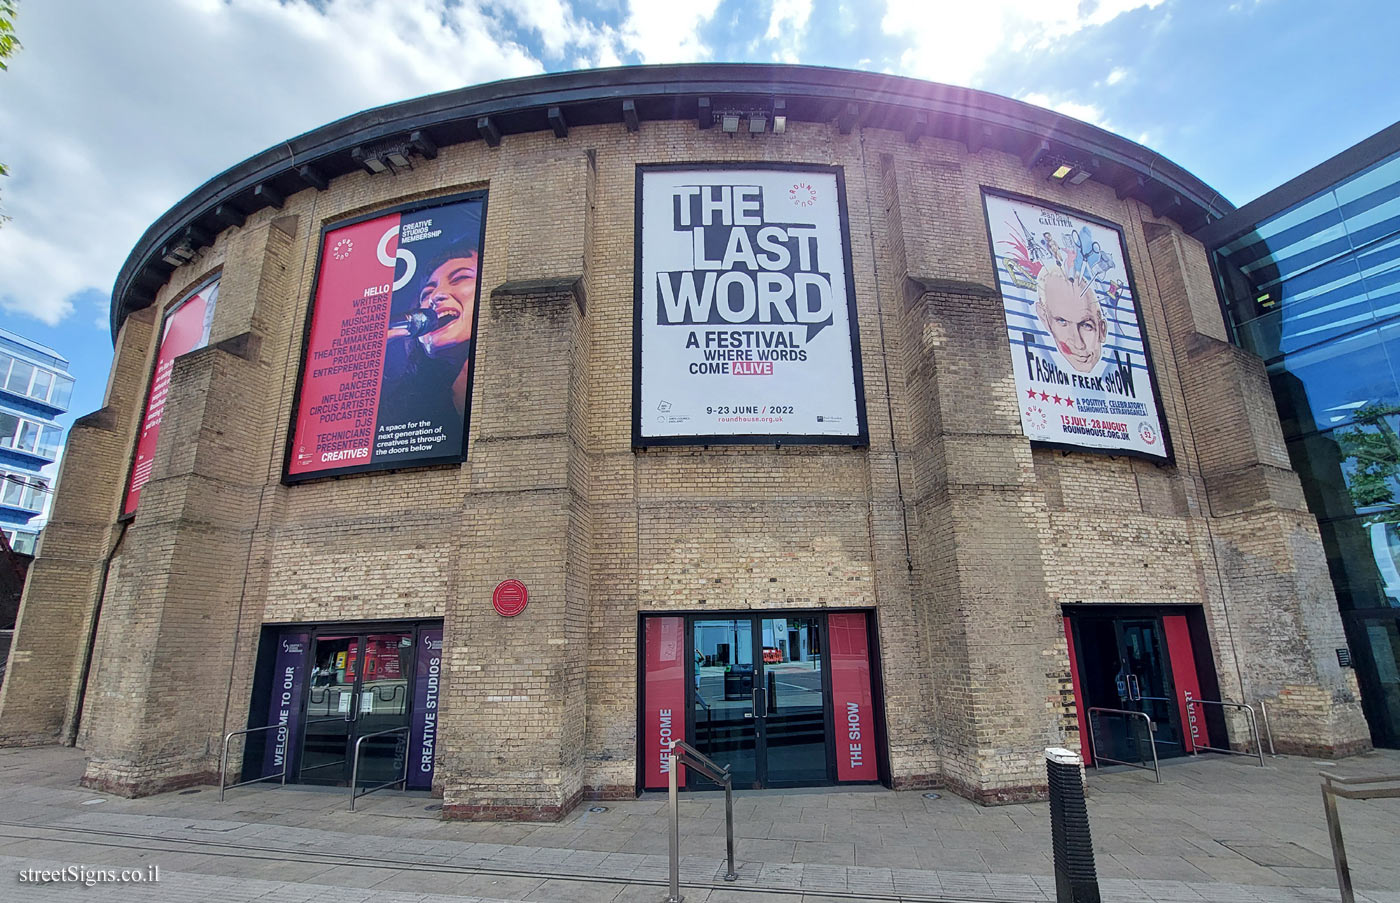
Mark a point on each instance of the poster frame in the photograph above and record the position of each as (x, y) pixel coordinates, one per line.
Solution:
(1167, 446)
(197, 286)
(289, 478)
(861, 439)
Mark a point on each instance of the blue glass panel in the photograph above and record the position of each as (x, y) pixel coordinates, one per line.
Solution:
(1321, 388)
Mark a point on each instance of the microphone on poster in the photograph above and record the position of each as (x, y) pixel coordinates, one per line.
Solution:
(418, 322)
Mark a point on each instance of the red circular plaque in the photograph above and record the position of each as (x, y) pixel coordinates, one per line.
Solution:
(509, 598)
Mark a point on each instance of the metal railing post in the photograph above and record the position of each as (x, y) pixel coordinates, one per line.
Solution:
(1253, 730)
(1268, 729)
(355, 767)
(1151, 740)
(223, 760)
(1334, 834)
(675, 799)
(1352, 788)
(683, 753)
(729, 830)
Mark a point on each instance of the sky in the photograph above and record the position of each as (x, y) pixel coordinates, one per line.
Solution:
(113, 111)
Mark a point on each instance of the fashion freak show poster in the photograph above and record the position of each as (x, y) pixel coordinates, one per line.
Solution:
(1078, 347)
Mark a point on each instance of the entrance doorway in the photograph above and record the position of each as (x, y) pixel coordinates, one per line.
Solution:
(326, 688)
(758, 699)
(785, 699)
(1136, 661)
(359, 688)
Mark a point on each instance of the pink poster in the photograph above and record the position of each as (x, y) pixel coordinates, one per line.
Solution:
(186, 329)
(664, 698)
(851, 699)
(1188, 684)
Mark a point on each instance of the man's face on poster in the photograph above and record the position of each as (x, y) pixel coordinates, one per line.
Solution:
(1074, 320)
(450, 290)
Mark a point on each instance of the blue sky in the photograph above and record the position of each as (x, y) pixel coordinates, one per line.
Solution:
(114, 111)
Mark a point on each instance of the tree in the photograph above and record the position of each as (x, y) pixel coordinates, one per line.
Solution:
(8, 45)
(1374, 446)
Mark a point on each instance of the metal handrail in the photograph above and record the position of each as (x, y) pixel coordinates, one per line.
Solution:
(223, 760)
(1269, 731)
(355, 769)
(1253, 727)
(1151, 729)
(1330, 792)
(684, 753)
(286, 760)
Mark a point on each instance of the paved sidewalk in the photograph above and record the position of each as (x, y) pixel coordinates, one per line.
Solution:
(1218, 829)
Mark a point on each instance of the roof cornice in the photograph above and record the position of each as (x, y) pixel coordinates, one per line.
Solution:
(597, 96)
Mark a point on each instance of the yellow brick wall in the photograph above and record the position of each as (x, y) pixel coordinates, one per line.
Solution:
(963, 539)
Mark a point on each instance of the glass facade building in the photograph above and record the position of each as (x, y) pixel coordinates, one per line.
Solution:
(35, 388)
(1310, 279)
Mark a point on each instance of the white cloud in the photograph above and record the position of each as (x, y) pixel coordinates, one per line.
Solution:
(787, 25)
(1085, 111)
(114, 111)
(952, 41)
(560, 30)
(1117, 75)
(667, 32)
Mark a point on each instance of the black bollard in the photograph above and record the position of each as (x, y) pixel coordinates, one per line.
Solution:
(1076, 879)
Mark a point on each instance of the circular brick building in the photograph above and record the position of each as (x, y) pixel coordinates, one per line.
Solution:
(852, 428)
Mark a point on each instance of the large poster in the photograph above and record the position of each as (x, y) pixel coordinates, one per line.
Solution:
(186, 329)
(664, 698)
(284, 706)
(851, 698)
(427, 683)
(745, 328)
(1083, 374)
(386, 376)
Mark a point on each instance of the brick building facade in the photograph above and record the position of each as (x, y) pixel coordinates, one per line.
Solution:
(969, 548)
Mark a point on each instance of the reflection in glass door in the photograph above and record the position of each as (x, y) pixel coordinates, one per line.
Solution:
(1382, 651)
(724, 703)
(794, 709)
(329, 707)
(1148, 679)
(359, 687)
(759, 699)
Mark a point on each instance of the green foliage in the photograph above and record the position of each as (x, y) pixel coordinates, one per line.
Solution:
(8, 42)
(1374, 447)
(8, 45)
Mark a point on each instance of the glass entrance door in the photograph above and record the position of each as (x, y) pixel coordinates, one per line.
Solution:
(758, 700)
(1147, 676)
(359, 689)
(793, 722)
(1123, 664)
(724, 700)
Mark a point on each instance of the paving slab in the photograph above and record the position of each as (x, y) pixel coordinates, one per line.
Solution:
(1218, 829)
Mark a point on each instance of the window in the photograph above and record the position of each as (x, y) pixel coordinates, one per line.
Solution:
(35, 495)
(28, 439)
(43, 380)
(5, 362)
(13, 490)
(29, 436)
(48, 441)
(24, 543)
(62, 391)
(20, 374)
